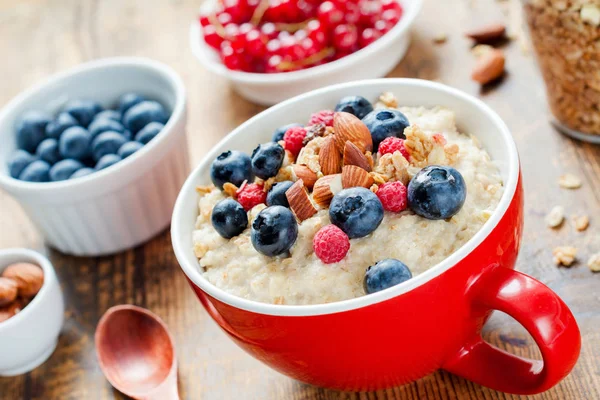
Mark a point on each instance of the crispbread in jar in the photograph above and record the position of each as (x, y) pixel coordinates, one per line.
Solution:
(566, 38)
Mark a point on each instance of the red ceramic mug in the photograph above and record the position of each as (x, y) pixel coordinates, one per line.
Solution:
(410, 330)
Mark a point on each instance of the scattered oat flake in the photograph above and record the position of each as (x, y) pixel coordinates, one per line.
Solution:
(564, 255)
(203, 189)
(481, 49)
(581, 222)
(569, 181)
(555, 217)
(594, 262)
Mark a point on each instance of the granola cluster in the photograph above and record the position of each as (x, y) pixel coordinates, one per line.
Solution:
(566, 37)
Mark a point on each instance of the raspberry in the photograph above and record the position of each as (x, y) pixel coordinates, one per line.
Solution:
(322, 117)
(392, 196)
(250, 195)
(293, 139)
(331, 244)
(391, 144)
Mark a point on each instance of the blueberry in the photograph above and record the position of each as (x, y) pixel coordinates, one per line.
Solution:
(385, 274)
(229, 218)
(356, 105)
(19, 160)
(142, 114)
(60, 124)
(84, 111)
(279, 132)
(129, 148)
(267, 159)
(107, 143)
(385, 123)
(31, 130)
(100, 125)
(274, 231)
(74, 143)
(276, 196)
(48, 151)
(357, 211)
(437, 192)
(37, 171)
(113, 115)
(82, 172)
(148, 132)
(127, 135)
(64, 169)
(129, 100)
(107, 160)
(231, 166)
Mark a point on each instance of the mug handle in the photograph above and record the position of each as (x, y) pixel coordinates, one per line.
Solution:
(541, 312)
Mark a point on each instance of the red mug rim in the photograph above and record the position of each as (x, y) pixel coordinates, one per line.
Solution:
(190, 266)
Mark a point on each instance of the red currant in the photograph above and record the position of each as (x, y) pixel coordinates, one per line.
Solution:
(274, 47)
(382, 26)
(273, 63)
(224, 18)
(204, 21)
(369, 12)
(351, 13)
(316, 32)
(329, 14)
(368, 36)
(256, 43)
(269, 30)
(232, 59)
(211, 37)
(391, 5)
(239, 10)
(345, 38)
(391, 17)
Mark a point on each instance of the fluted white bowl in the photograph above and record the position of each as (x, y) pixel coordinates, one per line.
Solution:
(121, 206)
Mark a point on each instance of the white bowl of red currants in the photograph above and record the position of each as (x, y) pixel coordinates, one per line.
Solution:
(271, 50)
(96, 155)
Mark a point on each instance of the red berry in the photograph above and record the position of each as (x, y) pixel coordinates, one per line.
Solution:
(211, 37)
(329, 14)
(250, 195)
(239, 10)
(368, 36)
(293, 139)
(345, 38)
(316, 32)
(322, 117)
(393, 196)
(391, 5)
(369, 12)
(231, 58)
(391, 17)
(351, 13)
(256, 43)
(382, 26)
(331, 244)
(224, 18)
(274, 47)
(272, 63)
(391, 144)
(204, 21)
(269, 30)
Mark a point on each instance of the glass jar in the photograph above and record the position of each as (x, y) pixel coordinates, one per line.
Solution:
(566, 39)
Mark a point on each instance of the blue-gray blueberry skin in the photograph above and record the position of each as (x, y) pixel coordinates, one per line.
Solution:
(18, 161)
(100, 125)
(274, 231)
(267, 158)
(31, 130)
(385, 274)
(61, 123)
(64, 169)
(276, 196)
(48, 151)
(75, 143)
(107, 143)
(83, 110)
(383, 123)
(107, 161)
(141, 114)
(357, 211)
(149, 132)
(128, 149)
(437, 192)
(129, 100)
(37, 171)
(231, 166)
(355, 105)
(82, 172)
(229, 218)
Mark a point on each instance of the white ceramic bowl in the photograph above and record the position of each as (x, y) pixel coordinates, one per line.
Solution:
(30, 337)
(374, 61)
(121, 206)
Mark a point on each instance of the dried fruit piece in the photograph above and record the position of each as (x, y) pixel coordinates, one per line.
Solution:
(305, 174)
(581, 222)
(353, 176)
(489, 67)
(487, 33)
(564, 255)
(349, 128)
(330, 158)
(353, 156)
(29, 278)
(594, 262)
(325, 188)
(299, 200)
(230, 189)
(8, 291)
(555, 217)
(569, 181)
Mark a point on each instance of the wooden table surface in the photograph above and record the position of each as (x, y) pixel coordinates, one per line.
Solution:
(41, 37)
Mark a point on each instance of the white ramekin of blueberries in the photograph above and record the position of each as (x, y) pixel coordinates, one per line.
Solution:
(96, 155)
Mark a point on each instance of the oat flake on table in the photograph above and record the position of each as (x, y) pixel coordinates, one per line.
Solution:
(569, 181)
(564, 255)
(555, 217)
(594, 262)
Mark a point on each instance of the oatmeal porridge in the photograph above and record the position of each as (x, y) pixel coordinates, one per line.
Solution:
(356, 201)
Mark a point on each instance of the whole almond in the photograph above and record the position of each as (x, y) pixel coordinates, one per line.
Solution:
(325, 188)
(29, 278)
(349, 128)
(10, 310)
(299, 200)
(353, 176)
(489, 67)
(305, 174)
(8, 291)
(330, 158)
(487, 33)
(353, 156)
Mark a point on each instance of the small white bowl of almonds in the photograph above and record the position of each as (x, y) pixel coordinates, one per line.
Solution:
(31, 310)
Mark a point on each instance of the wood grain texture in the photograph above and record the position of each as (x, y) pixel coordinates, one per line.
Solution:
(41, 37)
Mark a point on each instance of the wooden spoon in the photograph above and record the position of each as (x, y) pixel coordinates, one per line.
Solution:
(136, 353)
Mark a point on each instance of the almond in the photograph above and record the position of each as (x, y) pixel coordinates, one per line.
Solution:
(8, 291)
(353, 176)
(487, 33)
(299, 200)
(305, 174)
(353, 156)
(330, 158)
(325, 188)
(349, 128)
(489, 67)
(370, 160)
(29, 278)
